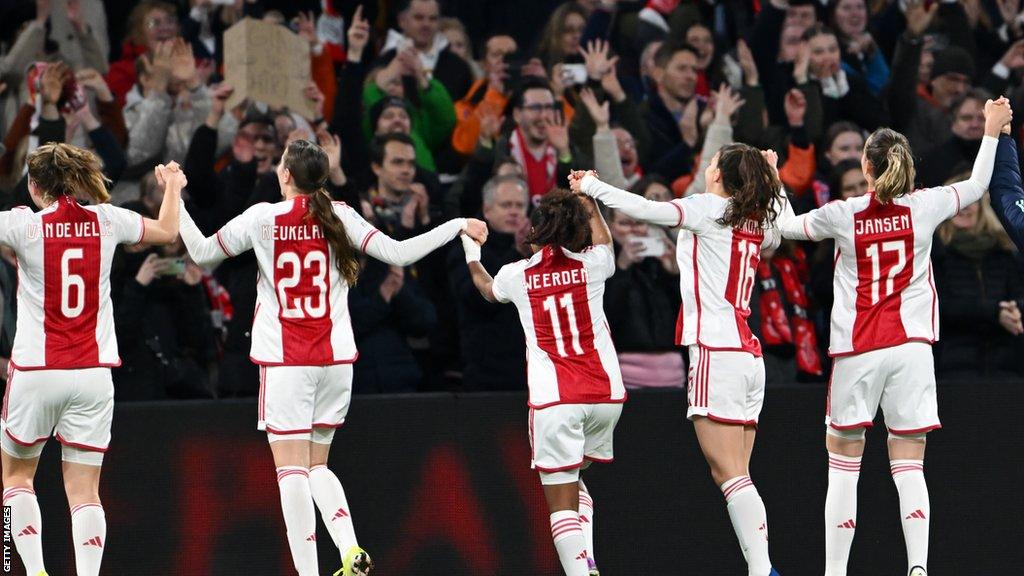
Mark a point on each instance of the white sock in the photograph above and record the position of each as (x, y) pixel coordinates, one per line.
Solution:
(749, 520)
(330, 499)
(89, 530)
(840, 512)
(587, 521)
(299, 517)
(26, 527)
(569, 542)
(914, 508)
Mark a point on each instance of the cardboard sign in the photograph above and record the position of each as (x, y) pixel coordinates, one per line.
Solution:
(267, 63)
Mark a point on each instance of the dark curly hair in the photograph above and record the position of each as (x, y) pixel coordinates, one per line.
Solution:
(561, 219)
(751, 182)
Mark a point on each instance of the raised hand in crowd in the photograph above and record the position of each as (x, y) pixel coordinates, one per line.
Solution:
(727, 102)
(332, 146)
(183, 63)
(42, 11)
(599, 112)
(919, 16)
(802, 63)
(392, 283)
(218, 102)
(93, 80)
(795, 105)
(747, 64)
(688, 123)
(306, 28)
(358, 36)
(52, 87)
(598, 63)
(313, 93)
(1014, 56)
(558, 134)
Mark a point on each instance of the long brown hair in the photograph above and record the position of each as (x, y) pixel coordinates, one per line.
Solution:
(752, 184)
(561, 219)
(549, 49)
(309, 167)
(66, 170)
(892, 165)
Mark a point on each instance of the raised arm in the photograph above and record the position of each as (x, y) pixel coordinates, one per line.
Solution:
(599, 232)
(632, 205)
(204, 250)
(406, 252)
(481, 279)
(1007, 193)
(997, 114)
(164, 229)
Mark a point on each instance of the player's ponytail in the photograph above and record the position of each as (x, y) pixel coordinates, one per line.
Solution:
(752, 184)
(309, 168)
(66, 170)
(892, 165)
(561, 219)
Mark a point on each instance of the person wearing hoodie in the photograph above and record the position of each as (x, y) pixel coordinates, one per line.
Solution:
(418, 20)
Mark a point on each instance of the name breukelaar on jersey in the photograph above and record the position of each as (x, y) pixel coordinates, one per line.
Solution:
(301, 316)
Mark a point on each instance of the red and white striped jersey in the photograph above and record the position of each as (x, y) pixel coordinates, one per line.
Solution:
(717, 272)
(560, 297)
(884, 290)
(301, 316)
(65, 317)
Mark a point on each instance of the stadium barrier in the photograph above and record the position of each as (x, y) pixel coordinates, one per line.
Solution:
(440, 484)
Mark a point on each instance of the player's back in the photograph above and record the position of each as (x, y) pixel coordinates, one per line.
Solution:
(717, 270)
(301, 316)
(65, 316)
(884, 291)
(560, 298)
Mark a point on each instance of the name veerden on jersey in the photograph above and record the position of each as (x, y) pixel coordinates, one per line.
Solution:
(881, 225)
(550, 279)
(291, 233)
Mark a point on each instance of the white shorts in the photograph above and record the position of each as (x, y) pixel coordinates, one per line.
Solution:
(900, 378)
(304, 402)
(76, 406)
(563, 436)
(725, 386)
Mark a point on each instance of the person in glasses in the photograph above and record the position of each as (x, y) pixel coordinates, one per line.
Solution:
(539, 140)
(150, 23)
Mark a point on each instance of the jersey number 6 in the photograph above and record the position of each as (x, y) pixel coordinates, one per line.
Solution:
(71, 281)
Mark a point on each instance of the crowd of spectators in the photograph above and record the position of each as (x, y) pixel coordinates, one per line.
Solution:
(432, 109)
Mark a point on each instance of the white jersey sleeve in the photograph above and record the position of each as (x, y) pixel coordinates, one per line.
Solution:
(358, 230)
(12, 225)
(829, 221)
(235, 237)
(599, 261)
(127, 226)
(504, 285)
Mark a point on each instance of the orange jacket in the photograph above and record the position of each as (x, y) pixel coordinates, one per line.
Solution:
(478, 101)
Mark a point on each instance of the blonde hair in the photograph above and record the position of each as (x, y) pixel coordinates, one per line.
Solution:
(66, 170)
(987, 225)
(892, 165)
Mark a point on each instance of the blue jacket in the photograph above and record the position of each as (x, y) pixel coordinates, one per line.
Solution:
(1006, 192)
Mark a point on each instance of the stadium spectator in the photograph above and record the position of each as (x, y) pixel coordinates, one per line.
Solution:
(671, 112)
(641, 302)
(861, 55)
(151, 24)
(488, 95)
(500, 366)
(560, 39)
(981, 288)
(957, 153)
(418, 21)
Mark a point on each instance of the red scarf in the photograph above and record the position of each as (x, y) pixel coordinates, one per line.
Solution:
(540, 172)
(665, 7)
(784, 320)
